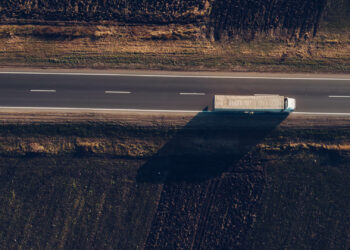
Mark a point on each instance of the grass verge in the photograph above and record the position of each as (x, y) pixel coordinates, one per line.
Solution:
(168, 48)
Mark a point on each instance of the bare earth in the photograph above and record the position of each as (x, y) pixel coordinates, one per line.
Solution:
(172, 180)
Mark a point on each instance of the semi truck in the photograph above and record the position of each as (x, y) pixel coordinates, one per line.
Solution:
(254, 103)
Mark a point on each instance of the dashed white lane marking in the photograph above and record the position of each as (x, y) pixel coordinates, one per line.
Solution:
(339, 96)
(43, 90)
(183, 93)
(181, 76)
(117, 92)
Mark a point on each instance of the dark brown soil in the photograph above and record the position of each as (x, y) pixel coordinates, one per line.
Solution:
(228, 18)
(169, 181)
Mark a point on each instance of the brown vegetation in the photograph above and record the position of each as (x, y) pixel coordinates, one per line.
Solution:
(173, 48)
(228, 18)
(177, 35)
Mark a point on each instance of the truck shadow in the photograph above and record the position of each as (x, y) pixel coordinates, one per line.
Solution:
(211, 144)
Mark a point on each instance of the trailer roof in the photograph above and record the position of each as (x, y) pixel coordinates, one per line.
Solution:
(248, 102)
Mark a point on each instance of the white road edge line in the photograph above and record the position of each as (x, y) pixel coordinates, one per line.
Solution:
(338, 96)
(155, 110)
(104, 109)
(117, 92)
(43, 90)
(183, 93)
(319, 113)
(179, 76)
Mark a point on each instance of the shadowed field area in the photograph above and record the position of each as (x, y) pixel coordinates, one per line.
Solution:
(125, 181)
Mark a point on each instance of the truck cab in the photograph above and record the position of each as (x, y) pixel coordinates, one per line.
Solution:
(289, 104)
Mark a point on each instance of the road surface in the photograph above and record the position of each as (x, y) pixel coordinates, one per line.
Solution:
(157, 92)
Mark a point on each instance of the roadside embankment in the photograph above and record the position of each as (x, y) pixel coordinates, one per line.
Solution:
(172, 180)
(201, 35)
(168, 48)
(113, 133)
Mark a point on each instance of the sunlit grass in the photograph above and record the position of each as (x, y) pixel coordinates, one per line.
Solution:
(30, 45)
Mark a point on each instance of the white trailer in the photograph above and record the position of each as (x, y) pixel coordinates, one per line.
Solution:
(255, 103)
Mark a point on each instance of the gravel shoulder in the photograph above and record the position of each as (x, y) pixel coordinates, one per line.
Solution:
(170, 118)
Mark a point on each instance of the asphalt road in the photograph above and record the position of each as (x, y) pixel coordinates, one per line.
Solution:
(164, 92)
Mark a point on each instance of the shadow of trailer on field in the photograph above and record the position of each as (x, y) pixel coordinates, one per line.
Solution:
(210, 144)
